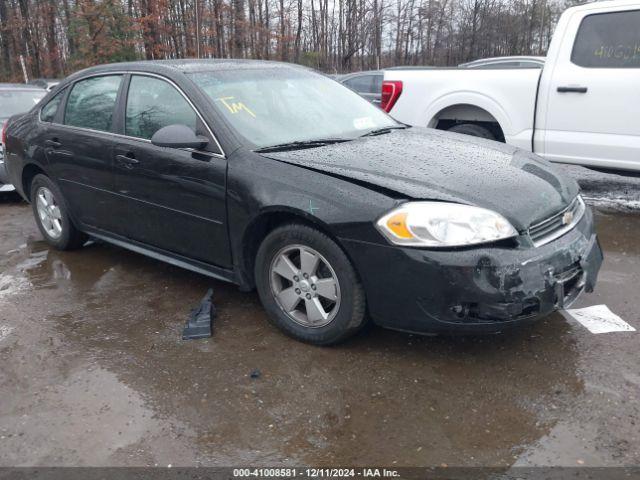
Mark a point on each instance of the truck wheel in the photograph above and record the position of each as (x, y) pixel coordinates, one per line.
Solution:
(308, 286)
(473, 130)
(52, 217)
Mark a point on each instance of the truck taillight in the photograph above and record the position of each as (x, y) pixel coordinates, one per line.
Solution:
(391, 90)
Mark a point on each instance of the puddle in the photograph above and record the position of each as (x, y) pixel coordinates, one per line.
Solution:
(96, 364)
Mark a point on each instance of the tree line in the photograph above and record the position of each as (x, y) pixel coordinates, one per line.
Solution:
(52, 38)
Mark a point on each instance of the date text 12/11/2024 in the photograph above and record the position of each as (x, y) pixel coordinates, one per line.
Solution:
(314, 473)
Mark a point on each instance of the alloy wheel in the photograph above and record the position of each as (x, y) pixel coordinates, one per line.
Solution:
(305, 286)
(49, 212)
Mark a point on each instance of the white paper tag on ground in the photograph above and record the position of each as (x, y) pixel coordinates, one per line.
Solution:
(599, 319)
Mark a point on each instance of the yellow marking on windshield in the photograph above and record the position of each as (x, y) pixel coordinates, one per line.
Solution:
(235, 107)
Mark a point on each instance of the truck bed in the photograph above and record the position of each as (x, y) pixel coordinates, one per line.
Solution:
(433, 95)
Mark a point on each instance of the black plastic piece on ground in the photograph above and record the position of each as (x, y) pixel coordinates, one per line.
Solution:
(200, 319)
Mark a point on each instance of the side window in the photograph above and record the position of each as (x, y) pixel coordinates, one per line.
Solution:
(377, 83)
(361, 84)
(608, 40)
(152, 104)
(92, 102)
(350, 83)
(48, 112)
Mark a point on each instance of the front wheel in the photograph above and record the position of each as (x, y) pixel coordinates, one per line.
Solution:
(52, 217)
(308, 286)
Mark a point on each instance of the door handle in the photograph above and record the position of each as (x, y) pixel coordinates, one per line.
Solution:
(572, 89)
(53, 143)
(127, 161)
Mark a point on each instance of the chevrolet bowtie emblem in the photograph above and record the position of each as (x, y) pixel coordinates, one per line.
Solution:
(567, 218)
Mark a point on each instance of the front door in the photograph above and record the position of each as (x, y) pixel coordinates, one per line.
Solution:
(172, 199)
(593, 96)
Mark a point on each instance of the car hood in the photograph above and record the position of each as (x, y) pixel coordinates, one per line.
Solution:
(428, 164)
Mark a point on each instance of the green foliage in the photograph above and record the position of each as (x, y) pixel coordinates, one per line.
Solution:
(103, 33)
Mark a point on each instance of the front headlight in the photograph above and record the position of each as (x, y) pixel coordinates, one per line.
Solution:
(441, 224)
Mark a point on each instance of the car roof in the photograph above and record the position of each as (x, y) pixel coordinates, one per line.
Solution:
(603, 4)
(363, 72)
(188, 65)
(171, 67)
(20, 86)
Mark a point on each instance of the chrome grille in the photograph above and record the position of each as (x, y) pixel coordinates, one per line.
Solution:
(558, 224)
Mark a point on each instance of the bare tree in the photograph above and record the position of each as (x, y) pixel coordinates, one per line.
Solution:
(59, 36)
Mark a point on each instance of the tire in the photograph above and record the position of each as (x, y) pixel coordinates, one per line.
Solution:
(60, 233)
(473, 130)
(346, 314)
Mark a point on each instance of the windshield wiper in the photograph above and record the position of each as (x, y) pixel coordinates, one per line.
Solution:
(383, 130)
(320, 142)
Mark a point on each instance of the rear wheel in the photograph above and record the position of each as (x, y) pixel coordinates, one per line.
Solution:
(308, 286)
(52, 216)
(473, 130)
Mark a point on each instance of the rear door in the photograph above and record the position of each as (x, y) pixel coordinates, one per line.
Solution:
(173, 199)
(592, 91)
(78, 141)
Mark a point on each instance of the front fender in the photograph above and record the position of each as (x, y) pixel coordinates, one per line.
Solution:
(260, 187)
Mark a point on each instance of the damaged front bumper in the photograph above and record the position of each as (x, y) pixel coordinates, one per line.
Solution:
(476, 290)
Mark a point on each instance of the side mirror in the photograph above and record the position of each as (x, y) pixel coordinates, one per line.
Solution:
(178, 136)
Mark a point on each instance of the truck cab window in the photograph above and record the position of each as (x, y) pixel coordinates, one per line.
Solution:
(608, 40)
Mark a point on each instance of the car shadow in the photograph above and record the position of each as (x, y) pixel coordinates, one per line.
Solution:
(8, 198)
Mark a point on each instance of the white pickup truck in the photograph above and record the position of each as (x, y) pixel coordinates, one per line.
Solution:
(583, 107)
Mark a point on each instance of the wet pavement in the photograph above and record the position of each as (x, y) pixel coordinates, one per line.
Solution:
(94, 372)
(611, 190)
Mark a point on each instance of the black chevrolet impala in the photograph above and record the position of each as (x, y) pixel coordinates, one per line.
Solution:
(275, 177)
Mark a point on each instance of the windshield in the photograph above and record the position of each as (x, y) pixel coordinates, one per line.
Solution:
(16, 101)
(274, 106)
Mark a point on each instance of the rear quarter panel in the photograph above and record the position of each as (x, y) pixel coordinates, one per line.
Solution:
(22, 149)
